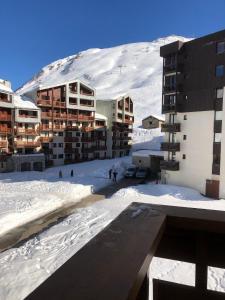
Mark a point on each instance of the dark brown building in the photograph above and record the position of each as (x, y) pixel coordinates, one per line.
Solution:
(192, 99)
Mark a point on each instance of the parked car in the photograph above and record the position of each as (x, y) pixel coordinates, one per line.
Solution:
(142, 173)
(130, 172)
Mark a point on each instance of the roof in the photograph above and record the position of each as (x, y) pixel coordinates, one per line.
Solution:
(43, 87)
(100, 117)
(147, 153)
(4, 87)
(117, 98)
(160, 118)
(24, 102)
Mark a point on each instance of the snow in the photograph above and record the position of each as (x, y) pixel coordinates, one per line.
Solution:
(28, 195)
(100, 117)
(4, 87)
(23, 268)
(147, 139)
(134, 69)
(147, 153)
(24, 102)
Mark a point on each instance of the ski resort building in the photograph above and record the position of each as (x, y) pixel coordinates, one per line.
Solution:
(119, 113)
(63, 123)
(193, 104)
(152, 122)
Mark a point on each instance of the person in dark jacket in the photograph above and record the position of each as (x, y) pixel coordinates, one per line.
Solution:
(115, 176)
(60, 174)
(110, 173)
(71, 173)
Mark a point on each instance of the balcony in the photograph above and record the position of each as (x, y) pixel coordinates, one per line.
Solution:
(46, 139)
(32, 144)
(216, 169)
(167, 108)
(72, 117)
(47, 151)
(169, 146)
(62, 116)
(3, 144)
(26, 131)
(85, 118)
(5, 117)
(71, 127)
(47, 103)
(59, 104)
(88, 150)
(71, 139)
(45, 128)
(58, 127)
(100, 148)
(87, 129)
(87, 139)
(5, 130)
(169, 127)
(46, 115)
(169, 165)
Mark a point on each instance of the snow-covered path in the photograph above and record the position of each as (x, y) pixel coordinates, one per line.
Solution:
(26, 196)
(25, 267)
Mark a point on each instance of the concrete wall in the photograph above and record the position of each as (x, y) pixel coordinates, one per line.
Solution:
(198, 148)
(222, 155)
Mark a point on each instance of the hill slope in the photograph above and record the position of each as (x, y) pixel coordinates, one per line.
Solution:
(133, 68)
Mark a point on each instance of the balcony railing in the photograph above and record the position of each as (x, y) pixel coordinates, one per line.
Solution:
(59, 115)
(85, 118)
(71, 139)
(28, 116)
(59, 104)
(45, 128)
(59, 127)
(46, 139)
(216, 169)
(46, 115)
(71, 127)
(5, 130)
(87, 129)
(28, 144)
(169, 146)
(26, 131)
(170, 165)
(5, 117)
(42, 102)
(169, 127)
(3, 144)
(71, 150)
(72, 117)
(100, 148)
(166, 107)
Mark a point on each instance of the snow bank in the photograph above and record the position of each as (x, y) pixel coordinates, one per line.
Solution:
(25, 267)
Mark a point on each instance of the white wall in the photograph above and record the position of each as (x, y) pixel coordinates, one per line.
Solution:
(222, 155)
(198, 148)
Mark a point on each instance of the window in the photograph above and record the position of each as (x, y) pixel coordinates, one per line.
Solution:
(184, 137)
(184, 156)
(220, 47)
(78, 145)
(77, 133)
(60, 133)
(219, 70)
(219, 93)
(60, 156)
(185, 117)
(54, 145)
(54, 156)
(217, 137)
(60, 145)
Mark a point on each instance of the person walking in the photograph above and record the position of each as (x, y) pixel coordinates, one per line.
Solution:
(110, 174)
(71, 173)
(60, 174)
(115, 176)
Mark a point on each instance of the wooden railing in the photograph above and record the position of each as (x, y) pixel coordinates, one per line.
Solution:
(42, 102)
(5, 130)
(3, 144)
(28, 143)
(26, 131)
(114, 265)
(5, 117)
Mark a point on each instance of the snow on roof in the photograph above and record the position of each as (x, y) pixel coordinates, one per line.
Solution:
(4, 87)
(24, 102)
(100, 117)
(60, 83)
(160, 118)
(146, 153)
(116, 97)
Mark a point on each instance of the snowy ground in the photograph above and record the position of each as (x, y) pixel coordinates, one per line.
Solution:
(147, 139)
(25, 267)
(25, 196)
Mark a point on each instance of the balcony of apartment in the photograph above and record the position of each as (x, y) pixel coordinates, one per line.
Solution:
(170, 146)
(70, 139)
(46, 139)
(5, 129)
(216, 169)
(169, 108)
(5, 117)
(87, 129)
(58, 127)
(169, 165)
(5, 98)
(170, 127)
(73, 88)
(86, 91)
(46, 115)
(47, 151)
(27, 115)
(27, 144)
(59, 115)
(86, 103)
(72, 117)
(59, 104)
(44, 101)
(71, 150)
(3, 144)
(26, 131)
(88, 149)
(44, 127)
(72, 127)
(100, 148)
(85, 118)
(88, 139)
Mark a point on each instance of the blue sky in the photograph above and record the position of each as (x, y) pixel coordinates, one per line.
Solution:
(35, 33)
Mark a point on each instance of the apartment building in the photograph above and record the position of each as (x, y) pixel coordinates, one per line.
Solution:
(120, 118)
(192, 101)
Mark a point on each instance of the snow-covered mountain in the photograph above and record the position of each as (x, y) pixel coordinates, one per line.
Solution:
(132, 68)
